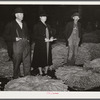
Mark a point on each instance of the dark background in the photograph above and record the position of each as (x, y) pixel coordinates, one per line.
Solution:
(58, 15)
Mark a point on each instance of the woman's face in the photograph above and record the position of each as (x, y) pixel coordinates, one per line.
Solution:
(43, 18)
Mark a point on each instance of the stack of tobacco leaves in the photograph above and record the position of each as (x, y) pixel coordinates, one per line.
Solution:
(83, 54)
(59, 54)
(6, 68)
(35, 83)
(78, 78)
(87, 52)
(90, 38)
(93, 65)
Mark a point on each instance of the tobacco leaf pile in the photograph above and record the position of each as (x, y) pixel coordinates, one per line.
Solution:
(88, 52)
(91, 37)
(78, 78)
(93, 65)
(59, 54)
(35, 83)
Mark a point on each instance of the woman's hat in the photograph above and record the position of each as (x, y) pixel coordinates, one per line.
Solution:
(76, 14)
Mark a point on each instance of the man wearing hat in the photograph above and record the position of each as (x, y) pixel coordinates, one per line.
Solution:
(73, 38)
(42, 57)
(17, 32)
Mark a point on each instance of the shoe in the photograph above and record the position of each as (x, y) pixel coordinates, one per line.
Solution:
(34, 72)
(21, 76)
(44, 74)
(52, 74)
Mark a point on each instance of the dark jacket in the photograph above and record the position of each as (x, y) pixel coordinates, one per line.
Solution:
(39, 32)
(10, 33)
(40, 49)
(68, 30)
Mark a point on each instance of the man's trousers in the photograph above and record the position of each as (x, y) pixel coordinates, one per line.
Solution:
(21, 54)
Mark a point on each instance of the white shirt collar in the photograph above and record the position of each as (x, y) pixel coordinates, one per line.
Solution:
(19, 23)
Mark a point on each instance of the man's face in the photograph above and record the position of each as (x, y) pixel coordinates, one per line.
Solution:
(19, 16)
(76, 18)
(43, 18)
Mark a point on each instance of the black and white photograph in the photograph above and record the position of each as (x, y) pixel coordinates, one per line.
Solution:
(49, 47)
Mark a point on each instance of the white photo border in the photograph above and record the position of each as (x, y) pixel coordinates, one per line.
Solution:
(49, 95)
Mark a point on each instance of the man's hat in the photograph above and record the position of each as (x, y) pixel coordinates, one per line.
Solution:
(18, 10)
(43, 13)
(76, 14)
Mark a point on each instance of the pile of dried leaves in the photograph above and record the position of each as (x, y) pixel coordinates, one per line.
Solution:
(78, 78)
(6, 68)
(35, 83)
(93, 65)
(59, 54)
(88, 52)
(91, 37)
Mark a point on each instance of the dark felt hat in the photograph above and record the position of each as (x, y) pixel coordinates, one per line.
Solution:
(43, 13)
(18, 10)
(76, 14)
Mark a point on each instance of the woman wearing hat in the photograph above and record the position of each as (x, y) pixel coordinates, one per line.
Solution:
(73, 38)
(17, 32)
(42, 57)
